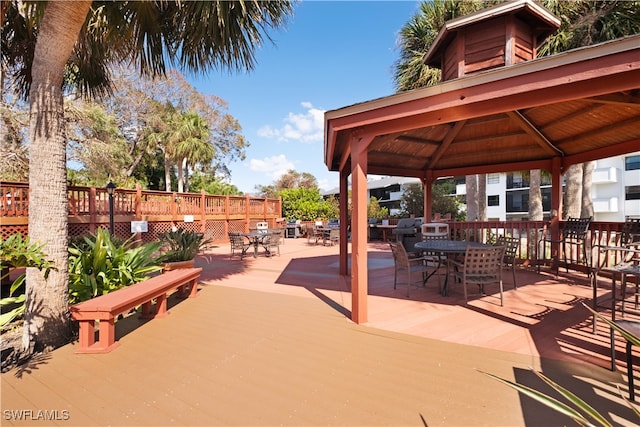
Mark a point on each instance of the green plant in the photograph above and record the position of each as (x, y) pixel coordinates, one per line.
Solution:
(98, 265)
(581, 410)
(18, 252)
(183, 245)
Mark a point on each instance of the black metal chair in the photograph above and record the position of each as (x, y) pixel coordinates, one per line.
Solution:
(634, 328)
(511, 247)
(272, 241)
(238, 243)
(574, 233)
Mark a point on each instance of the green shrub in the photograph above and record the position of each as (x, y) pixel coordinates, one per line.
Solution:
(183, 245)
(99, 265)
(18, 252)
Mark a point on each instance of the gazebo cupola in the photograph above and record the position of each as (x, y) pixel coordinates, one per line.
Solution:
(495, 37)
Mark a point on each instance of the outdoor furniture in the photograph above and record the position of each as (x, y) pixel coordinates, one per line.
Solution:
(106, 308)
(634, 328)
(331, 236)
(407, 227)
(574, 234)
(272, 241)
(255, 239)
(447, 248)
(481, 267)
(238, 243)
(511, 246)
(410, 266)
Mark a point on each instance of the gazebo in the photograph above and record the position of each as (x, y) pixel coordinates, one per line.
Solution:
(500, 109)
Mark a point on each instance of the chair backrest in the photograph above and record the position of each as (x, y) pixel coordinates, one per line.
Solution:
(511, 246)
(334, 234)
(630, 231)
(399, 254)
(576, 228)
(274, 237)
(236, 239)
(483, 261)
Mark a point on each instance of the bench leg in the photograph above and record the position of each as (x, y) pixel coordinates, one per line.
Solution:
(106, 337)
(193, 287)
(161, 306)
(147, 311)
(87, 334)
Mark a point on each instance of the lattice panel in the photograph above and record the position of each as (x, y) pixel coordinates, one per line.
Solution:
(216, 230)
(8, 230)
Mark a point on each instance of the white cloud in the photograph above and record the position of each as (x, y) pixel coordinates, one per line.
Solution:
(306, 127)
(274, 167)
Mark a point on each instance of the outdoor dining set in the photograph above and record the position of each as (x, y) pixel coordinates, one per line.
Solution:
(259, 237)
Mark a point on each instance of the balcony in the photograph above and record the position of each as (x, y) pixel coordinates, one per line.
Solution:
(605, 176)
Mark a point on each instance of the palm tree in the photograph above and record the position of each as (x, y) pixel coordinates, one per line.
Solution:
(72, 44)
(584, 23)
(416, 36)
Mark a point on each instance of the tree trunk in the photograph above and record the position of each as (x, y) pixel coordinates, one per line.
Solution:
(535, 196)
(482, 197)
(472, 197)
(587, 201)
(573, 191)
(167, 174)
(45, 320)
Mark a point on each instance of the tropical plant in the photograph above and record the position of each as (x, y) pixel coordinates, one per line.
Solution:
(183, 245)
(18, 252)
(579, 410)
(99, 265)
(49, 47)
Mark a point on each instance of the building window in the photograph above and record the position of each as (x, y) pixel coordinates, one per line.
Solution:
(493, 201)
(632, 192)
(632, 163)
(493, 178)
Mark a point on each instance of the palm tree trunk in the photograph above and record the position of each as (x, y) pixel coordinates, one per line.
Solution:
(471, 184)
(535, 196)
(573, 191)
(45, 320)
(482, 197)
(587, 201)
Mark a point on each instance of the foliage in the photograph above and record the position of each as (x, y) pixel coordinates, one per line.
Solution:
(18, 252)
(412, 200)
(14, 160)
(289, 180)
(212, 185)
(301, 204)
(329, 208)
(183, 245)
(375, 211)
(99, 265)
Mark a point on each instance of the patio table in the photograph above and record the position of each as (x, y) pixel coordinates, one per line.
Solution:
(256, 238)
(448, 248)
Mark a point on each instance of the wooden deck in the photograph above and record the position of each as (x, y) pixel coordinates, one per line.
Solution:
(268, 341)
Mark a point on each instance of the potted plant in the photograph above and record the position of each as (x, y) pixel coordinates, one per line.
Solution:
(182, 248)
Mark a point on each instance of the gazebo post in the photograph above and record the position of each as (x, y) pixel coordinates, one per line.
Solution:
(427, 184)
(359, 274)
(344, 220)
(556, 205)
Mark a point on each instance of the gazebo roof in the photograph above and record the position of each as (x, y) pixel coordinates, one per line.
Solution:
(578, 106)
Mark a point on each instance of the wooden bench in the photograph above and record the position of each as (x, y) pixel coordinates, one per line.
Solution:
(106, 308)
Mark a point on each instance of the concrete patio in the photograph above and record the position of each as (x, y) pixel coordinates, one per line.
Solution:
(268, 341)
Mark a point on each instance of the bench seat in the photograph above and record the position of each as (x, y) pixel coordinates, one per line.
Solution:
(106, 308)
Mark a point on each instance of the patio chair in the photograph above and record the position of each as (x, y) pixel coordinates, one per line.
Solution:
(410, 266)
(575, 233)
(272, 241)
(331, 237)
(633, 327)
(511, 246)
(481, 266)
(238, 243)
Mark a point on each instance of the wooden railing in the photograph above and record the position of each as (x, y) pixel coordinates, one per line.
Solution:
(89, 209)
(217, 215)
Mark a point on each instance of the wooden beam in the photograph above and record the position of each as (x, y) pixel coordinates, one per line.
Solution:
(535, 133)
(446, 142)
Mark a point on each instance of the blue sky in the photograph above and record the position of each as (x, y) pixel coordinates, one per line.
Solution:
(331, 54)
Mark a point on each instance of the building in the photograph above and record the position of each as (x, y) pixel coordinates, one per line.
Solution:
(615, 191)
